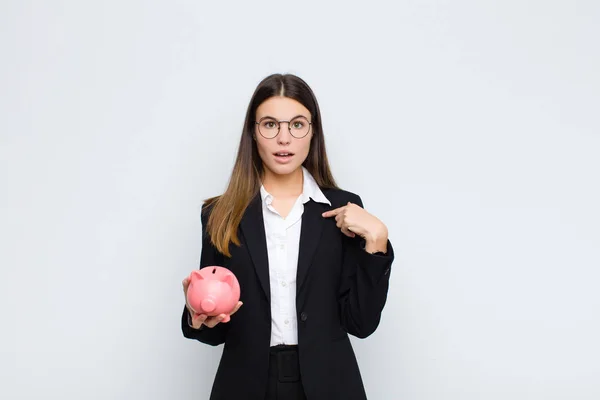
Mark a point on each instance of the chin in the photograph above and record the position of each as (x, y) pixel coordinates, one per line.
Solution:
(283, 169)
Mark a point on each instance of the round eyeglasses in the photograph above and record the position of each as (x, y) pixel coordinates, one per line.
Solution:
(268, 127)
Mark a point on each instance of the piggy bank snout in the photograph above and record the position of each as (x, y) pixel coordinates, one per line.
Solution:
(209, 304)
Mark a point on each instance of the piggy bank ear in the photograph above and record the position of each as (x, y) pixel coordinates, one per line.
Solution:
(228, 279)
(196, 275)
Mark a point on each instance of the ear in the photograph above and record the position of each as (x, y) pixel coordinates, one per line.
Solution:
(228, 279)
(196, 275)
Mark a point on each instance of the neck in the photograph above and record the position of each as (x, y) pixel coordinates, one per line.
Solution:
(283, 185)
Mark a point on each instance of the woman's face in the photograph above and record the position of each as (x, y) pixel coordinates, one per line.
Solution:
(284, 153)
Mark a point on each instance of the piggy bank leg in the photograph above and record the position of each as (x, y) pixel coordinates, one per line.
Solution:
(226, 318)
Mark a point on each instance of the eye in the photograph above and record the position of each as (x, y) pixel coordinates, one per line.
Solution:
(269, 124)
(298, 124)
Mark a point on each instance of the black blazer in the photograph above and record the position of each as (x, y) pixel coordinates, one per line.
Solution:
(341, 290)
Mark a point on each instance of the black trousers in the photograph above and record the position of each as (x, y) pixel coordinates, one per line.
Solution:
(284, 374)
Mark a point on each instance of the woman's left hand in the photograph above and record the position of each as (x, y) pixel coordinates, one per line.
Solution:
(354, 220)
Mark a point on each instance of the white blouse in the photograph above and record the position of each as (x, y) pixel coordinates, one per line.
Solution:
(283, 241)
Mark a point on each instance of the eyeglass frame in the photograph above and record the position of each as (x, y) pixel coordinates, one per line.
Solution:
(279, 126)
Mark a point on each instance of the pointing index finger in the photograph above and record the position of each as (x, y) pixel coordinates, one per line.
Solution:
(332, 213)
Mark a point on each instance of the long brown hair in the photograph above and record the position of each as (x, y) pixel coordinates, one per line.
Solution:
(228, 209)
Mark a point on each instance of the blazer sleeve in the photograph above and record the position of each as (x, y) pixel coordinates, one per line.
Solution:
(209, 256)
(364, 285)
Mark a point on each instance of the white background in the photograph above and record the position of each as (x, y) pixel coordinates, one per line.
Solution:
(471, 128)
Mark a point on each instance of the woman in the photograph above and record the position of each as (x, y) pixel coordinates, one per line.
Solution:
(312, 264)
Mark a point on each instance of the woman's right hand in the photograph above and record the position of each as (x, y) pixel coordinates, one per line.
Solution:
(202, 319)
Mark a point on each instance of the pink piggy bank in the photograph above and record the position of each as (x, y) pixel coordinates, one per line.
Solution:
(212, 291)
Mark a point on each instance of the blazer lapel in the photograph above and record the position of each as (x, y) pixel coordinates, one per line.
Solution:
(253, 227)
(310, 235)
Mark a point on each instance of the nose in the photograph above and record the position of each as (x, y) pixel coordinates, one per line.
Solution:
(208, 304)
(284, 136)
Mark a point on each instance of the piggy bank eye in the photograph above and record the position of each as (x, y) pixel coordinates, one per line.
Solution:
(214, 270)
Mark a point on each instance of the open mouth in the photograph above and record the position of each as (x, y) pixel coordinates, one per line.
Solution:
(284, 154)
(283, 157)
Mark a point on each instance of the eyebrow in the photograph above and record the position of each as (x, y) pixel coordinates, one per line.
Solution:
(299, 115)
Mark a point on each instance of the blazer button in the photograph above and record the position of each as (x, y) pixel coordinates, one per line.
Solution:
(303, 316)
